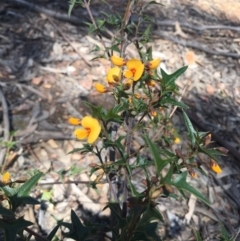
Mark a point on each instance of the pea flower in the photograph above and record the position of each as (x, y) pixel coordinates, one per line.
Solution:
(74, 121)
(6, 177)
(118, 61)
(101, 88)
(153, 64)
(114, 75)
(91, 129)
(215, 167)
(134, 70)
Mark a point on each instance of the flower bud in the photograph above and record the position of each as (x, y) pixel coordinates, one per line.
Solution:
(207, 139)
(100, 88)
(222, 149)
(156, 193)
(93, 165)
(179, 154)
(154, 179)
(118, 61)
(74, 121)
(153, 64)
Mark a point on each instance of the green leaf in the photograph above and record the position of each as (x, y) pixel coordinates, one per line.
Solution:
(81, 232)
(159, 163)
(8, 191)
(97, 111)
(86, 148)
(212, 153)
(6, 212)
(171, 101)
(11, 228)
(191, 130)
(52, 234)
(197, 234)
(181, 183)
(24, 189)
(149, 215)
(147, 233)
(169, 80)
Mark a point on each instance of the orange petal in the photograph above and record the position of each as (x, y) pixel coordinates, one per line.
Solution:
(118, 61)
(74, 121)
(100, 88)
(81, 133)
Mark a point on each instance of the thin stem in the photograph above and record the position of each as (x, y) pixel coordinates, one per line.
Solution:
(87, 6)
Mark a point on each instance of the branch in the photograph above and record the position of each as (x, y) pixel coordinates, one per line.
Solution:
(197, 46)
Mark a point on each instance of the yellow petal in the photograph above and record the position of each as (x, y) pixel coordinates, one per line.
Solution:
(114, 74)
(93, 126)
(6, 177)
(94, 133)
(154, 63)
(177, 140)
(100, 88)
(215, 167)
(81, 133)
(74, 121)
(118, 61)
(136, 67)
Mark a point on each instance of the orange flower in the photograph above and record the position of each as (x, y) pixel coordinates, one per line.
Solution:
(118, 61)
(100, 88)
(114, 75)
(134, 70)
(91, 129)
(215, 167)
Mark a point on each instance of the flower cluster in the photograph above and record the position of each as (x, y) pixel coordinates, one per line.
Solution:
(91, 128)
(132, 70)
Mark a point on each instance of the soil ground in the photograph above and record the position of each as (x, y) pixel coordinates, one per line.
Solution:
(46, 73)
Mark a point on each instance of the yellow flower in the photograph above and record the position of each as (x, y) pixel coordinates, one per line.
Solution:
(114, 75)
(215, 167)
(153, 64)
(100, 88)
(6, 177)
(177, 140)
(118, 61)
(135, 69)
(91, 129)
(153, 113)
(74, 121)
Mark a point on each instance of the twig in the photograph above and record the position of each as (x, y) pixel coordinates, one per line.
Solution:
(87, 6)
(6, 126)
(39, 237)
(51, 13)
(69, 42)
(196, 46)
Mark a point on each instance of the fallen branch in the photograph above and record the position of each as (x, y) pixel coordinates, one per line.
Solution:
(169, 23)
(6, 128)
(196, 45)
